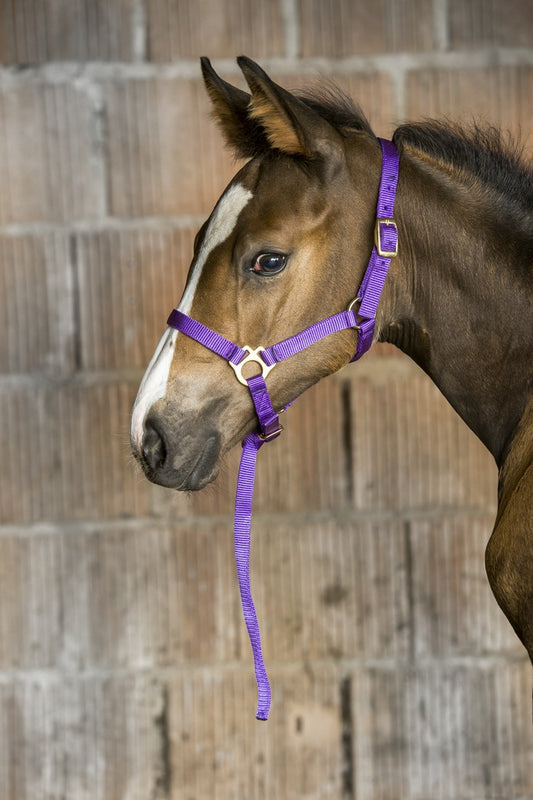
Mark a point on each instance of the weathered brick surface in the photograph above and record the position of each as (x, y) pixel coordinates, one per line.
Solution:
(110, 598)
(332, 591)
(49, 159)
(125, 670)
(69, 30)
(86, 736)
(75, 736)
(220, 751)
(438, 731)
(36, 304)
(443, 731)
(128, 283)
(193, 28)
(481, 23)
(337, 29)
(167, 156)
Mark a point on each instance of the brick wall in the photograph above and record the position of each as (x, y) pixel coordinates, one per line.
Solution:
(125, 671)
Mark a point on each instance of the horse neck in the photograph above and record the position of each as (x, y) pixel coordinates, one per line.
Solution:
(458, 298)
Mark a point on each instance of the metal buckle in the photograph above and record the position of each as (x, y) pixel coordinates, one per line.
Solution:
(252, 357)
(377, 237)
(266, 437)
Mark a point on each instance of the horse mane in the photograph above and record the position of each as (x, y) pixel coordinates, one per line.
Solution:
(483, 153)
(336, 107)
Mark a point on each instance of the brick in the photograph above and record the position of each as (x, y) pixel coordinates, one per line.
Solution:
(128, 282)
(105, 598)
(30, 622)
(497, 95)
(455, 613)
(67, 455)
(36, 304)
(69, 30)
(330, 590)
(49, 163)
(168, 157)
(194, 734)
(78, 737)
(158, 596)
(487, 24)
(213, 723)
(338, 30)
(440, 731)
(411, 451)
(190, 29)
(443, 731)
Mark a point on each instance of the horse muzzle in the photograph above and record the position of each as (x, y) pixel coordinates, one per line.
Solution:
(178, 456)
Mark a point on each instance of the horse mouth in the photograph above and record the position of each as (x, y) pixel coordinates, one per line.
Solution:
(205, 469)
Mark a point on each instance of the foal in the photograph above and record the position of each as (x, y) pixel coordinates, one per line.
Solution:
(287, 245)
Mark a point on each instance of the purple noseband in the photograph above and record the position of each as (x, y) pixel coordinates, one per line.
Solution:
(362, 320)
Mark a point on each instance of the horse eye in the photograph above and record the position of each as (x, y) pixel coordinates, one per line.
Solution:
(269, 263)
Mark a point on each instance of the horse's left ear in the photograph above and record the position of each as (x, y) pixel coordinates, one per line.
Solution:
(290, 125)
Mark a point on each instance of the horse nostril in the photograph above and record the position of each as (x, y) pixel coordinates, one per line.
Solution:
(153, 447)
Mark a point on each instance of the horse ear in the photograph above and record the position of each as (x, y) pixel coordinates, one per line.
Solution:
(290, 125)
(230, 109)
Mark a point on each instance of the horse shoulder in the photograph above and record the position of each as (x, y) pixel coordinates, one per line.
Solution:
(509, 555)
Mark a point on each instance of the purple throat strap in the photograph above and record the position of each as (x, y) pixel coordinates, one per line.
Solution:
(360, 315)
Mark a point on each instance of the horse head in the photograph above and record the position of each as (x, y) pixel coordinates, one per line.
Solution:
(285, 246)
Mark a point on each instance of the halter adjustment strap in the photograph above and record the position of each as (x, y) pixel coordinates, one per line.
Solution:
(206, 336)
(385, 247)
(300, 341)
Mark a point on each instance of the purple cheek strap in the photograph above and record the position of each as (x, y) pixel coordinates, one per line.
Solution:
(362, 320)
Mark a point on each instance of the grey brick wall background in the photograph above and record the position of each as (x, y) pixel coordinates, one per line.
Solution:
(125, 671)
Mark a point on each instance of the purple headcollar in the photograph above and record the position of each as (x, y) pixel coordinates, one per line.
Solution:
(360, 315)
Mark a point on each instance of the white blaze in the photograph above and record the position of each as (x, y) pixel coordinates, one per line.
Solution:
(154, 383)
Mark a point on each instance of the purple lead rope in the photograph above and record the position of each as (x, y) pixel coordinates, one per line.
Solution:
(242, 534)
(270, 429)
(363, 320)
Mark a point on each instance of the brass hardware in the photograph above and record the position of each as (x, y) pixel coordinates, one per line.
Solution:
(253, 357)
(351, 307)
(377, 237)
(267, 436)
